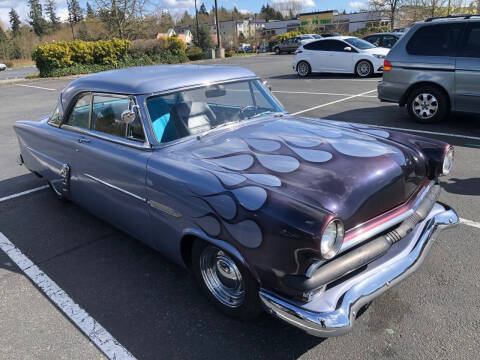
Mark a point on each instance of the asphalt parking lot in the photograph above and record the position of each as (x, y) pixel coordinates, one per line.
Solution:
(153, 308)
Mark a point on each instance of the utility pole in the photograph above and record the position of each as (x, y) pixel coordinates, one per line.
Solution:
(216, 24)
(196, 19)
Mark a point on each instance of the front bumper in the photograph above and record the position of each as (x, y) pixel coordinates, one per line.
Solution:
(360, 290)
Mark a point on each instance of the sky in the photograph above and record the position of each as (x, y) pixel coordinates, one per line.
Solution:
(179, 6)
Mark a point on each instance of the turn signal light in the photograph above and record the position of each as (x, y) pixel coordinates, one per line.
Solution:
(387, 65)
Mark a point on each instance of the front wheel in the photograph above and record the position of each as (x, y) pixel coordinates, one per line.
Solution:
(303, 69)
(427, 104)
(277, 51)
(226, 282)
(364, 69)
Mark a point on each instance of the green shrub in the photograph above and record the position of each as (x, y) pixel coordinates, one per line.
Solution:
(228, 53)
(195, 53)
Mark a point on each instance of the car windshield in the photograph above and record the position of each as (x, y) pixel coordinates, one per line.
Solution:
(360, 44)
(317, 36)
(200, 110)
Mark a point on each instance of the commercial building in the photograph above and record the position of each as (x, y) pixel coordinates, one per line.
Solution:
(357, 21)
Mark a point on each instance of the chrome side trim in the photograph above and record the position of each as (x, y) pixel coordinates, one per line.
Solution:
(340, 321)
(163, 208)
(388, 224)
(115, 187)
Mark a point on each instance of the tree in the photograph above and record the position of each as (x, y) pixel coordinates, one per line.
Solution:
(14, 22)
(269, 13)
(50, 10)
(90, 12)
(203, 39)
(3, 43)
(36, 17)
(75, 14)
(186, 19)
(389, 6)
(121, 16)
(203, 10)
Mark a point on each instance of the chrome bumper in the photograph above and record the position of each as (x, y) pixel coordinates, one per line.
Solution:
(340, 321)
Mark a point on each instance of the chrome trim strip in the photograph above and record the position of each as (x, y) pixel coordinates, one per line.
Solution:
(340, 321)
(163, 208)
(115, 187)
(382, 227)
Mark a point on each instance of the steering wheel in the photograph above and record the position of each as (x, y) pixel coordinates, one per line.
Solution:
(241, 112)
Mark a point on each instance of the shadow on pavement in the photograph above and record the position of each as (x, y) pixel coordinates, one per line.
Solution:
(463, 186)
(148, 304)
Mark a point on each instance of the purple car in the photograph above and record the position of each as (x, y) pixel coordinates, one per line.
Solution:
(309, 219)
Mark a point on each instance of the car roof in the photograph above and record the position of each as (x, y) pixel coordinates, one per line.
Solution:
(387, 33)
(153, 79)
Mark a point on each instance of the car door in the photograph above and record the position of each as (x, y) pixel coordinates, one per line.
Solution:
(339, 59)
(467, 71)
(316, 52)
(111, 166)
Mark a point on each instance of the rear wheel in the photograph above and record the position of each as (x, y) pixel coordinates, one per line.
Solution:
(277, 51)
(427, 104)
(226, 282)
(364, 69)
(303, 69)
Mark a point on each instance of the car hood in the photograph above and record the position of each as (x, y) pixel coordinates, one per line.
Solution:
(346, 171)
(376, 51)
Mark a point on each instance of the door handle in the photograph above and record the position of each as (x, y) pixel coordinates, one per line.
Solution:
(83, 141)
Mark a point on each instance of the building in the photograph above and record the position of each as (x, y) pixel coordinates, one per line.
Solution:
(317, 21)
(360, 20)
(275, 27)
(232, 31)
(184, 34)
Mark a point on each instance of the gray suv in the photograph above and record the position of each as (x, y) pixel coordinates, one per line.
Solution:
(435, 68)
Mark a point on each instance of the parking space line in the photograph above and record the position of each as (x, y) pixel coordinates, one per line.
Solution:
(470, 223)
(13, 196)
(88, 325)
(36, 87)
(333, 102)
(318, 93)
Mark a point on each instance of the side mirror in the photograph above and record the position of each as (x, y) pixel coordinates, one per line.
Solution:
(267, 84)
(347, 48)
(128, 116)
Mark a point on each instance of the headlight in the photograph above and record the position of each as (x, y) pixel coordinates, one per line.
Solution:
(378, 56)
(332, 239)
(447, 161)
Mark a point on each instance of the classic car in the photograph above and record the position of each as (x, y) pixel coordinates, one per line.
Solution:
(309, 219)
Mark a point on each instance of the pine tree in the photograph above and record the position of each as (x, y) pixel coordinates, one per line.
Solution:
(90, 12)
(75, 12)
(203, 9)
(36, 17)
(14, 22)
(50, 11)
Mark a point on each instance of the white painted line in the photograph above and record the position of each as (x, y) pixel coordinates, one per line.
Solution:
(89, 326)
(470, 223)
(424, 132)
(333, 102)
(318, 93)
(36, 87)
(23, 193)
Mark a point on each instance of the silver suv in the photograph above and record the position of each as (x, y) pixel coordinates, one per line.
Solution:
(435, 68)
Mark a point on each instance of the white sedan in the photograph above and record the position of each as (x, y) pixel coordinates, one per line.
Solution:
(339, 54)
(3, 67)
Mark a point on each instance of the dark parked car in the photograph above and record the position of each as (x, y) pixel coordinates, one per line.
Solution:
(290, 45)
(312, 219)
(435, 69)
(386, 40)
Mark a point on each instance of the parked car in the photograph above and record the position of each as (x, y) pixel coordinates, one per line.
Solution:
(386, 40)
(325, 35)
(290, 45)
(341, 54)
(3, 67)
(244, 48)
(435, 69)
(311, 219)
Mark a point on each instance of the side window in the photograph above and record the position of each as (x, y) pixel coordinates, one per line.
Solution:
(56, 117)
(388, 41)
(336, 45)
(107, 118)
(435, 40)
(80, 112)
(374, 39)
(471, 46)
(322, 45)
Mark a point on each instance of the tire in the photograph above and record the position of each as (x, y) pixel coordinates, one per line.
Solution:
(427, 105)
(364, 69)
(303, 69)
(207, 262)
(277, 51)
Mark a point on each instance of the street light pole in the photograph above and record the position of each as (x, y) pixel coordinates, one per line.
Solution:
(196, 19)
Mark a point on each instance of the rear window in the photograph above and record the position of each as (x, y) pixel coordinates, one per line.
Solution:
(471, 47)
(435, 40)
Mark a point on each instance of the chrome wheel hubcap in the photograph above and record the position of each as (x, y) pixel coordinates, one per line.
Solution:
(425, 105)
(303, 69)
(363, 68)
(222, 277)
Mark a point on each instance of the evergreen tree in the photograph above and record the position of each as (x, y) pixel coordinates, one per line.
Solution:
(186, 19)
(203, 10)
(14, 22)
(75, 12)
(36, 17)
(203, 40)
(90, 12)
(50, 10)
(269, 13)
